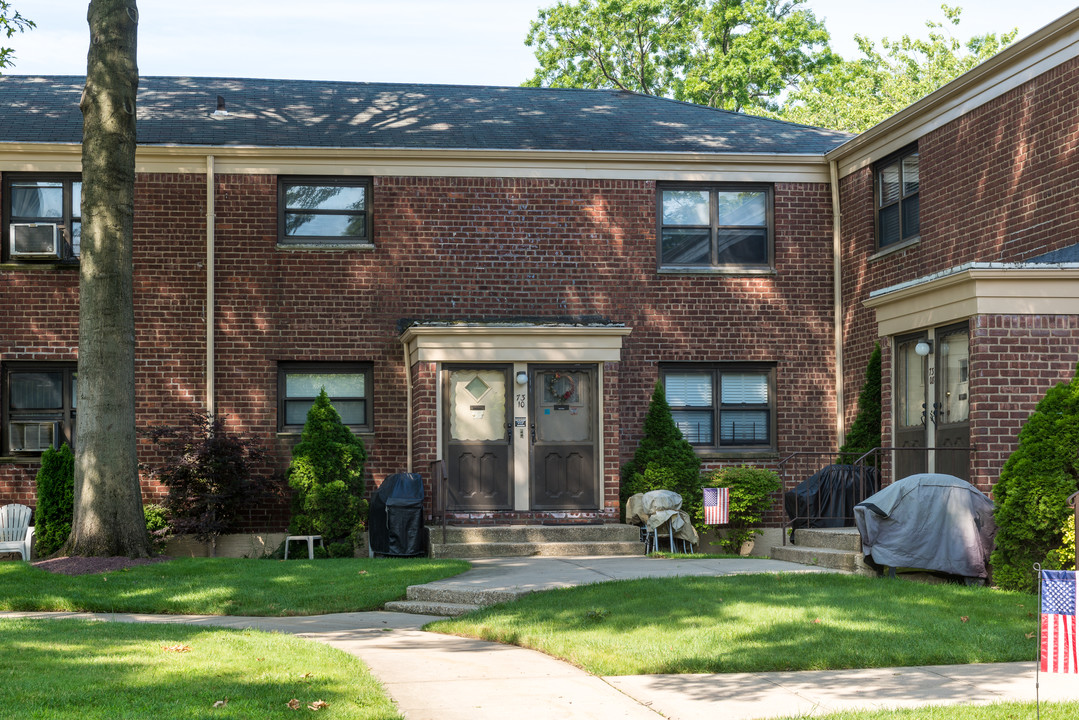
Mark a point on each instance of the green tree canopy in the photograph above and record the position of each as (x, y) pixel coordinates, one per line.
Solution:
(730, 54)
(11, 22)
(854, 95)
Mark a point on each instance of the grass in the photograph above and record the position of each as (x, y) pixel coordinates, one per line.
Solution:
(80, 670)
(996, 711)
(753, 623)
(224, 586)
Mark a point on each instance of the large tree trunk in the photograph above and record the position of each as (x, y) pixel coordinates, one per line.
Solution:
(108, 516)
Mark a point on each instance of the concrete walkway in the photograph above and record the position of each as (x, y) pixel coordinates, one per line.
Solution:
(433, 676)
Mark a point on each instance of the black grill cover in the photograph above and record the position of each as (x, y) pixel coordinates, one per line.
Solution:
(395, 517)
(827, 498)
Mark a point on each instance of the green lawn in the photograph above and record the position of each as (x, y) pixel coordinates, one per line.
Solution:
(753, 623)
(80, 670)
(996, 711)
(225, 586)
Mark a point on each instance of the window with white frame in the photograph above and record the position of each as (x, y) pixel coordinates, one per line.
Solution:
(723, 407)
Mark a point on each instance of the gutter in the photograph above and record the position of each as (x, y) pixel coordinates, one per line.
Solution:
(210, 281)
(837, 302)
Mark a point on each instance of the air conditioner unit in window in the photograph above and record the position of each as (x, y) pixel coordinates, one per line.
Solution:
(35, 240)
(31, 435)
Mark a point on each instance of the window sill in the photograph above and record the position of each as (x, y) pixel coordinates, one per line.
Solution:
(896, 247)
(34, 459)
(738, 455)
(726, 271)
(49, 265)
(364, 435)
(325, 247)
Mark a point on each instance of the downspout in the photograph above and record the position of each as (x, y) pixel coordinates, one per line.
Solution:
(210, 300)
(408, 410)
(837, 302)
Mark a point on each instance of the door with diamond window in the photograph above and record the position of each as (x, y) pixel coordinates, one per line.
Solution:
(564, 438)
(479, 457)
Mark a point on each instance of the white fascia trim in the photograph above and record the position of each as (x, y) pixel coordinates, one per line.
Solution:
(514, 343)
(1053, 45)
(707, 167)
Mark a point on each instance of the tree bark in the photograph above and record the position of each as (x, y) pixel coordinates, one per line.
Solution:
(108, 517)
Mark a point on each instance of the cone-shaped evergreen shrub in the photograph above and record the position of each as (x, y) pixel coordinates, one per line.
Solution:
(664, 460)
(326, 476)
(55, 499)
(864, 434)
(1032, 493)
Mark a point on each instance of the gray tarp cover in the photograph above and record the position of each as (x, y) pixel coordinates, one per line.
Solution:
(929, 522)
(656, 508)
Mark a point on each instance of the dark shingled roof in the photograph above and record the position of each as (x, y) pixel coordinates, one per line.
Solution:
(309, 113)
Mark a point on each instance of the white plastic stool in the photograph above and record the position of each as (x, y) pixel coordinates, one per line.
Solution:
(310, 544)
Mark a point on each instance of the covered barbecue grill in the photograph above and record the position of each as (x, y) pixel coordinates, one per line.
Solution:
(395, 517)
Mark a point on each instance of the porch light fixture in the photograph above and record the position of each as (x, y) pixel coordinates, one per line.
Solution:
(923, 348)
(522, 378)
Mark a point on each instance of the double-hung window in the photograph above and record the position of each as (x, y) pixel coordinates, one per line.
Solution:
(897, 198)
(715, 227)
(723, 407)
(39, 406)
(42, 217)
(348, 386)
(324, 211)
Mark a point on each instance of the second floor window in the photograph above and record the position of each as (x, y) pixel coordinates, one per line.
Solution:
(324, 211)
(722, 227)
(897, 188)
(42, 217)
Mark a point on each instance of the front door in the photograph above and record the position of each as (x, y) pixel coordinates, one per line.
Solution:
(951, 408)
(564, 429)
(478, 432)
(910, 409)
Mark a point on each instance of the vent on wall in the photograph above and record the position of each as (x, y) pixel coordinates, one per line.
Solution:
(35, 240)
(31, 436)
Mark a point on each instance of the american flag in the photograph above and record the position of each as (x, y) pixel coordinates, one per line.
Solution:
(1058, 653)
(717, 506)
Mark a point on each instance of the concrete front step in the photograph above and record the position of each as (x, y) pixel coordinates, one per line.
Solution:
(823, 557)
(421, 607)
(846, 539)
(535, 533)
(535, 549)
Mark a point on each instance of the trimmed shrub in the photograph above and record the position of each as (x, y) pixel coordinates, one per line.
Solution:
(864, 434)
(157, 526)
(1032, 492)
(751, 491)
(55, 499)
(664, 460)
(326, 476)
(210, 474)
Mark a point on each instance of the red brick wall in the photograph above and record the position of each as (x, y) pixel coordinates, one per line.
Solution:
(446, 249)
(997, 185)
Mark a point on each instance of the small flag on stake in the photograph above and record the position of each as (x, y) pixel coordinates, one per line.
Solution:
(1058, 642)
(716, 506)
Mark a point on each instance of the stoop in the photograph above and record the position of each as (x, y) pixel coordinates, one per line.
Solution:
(535, 540)
(835, 548)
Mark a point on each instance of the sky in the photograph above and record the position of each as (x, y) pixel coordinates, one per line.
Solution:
(469, 42)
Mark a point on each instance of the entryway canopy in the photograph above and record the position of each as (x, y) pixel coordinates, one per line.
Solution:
(584, 342)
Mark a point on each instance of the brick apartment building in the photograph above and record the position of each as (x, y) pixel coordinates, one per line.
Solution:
(497, 277)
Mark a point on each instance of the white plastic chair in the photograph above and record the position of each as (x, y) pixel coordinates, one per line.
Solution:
(15, 531)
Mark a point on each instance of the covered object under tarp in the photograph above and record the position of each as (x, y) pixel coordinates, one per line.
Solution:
(929, 522)
(395, 517)
(827, 498)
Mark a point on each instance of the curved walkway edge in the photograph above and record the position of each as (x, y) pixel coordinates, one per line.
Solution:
(442, 677)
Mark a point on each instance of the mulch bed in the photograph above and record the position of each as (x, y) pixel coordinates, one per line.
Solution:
(91, 565)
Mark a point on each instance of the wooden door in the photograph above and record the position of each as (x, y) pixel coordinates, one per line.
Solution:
(478, 446)
(564, 428)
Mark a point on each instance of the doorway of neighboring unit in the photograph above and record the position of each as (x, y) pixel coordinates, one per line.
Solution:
(478, 437)
(563, 429)
(932, 402)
